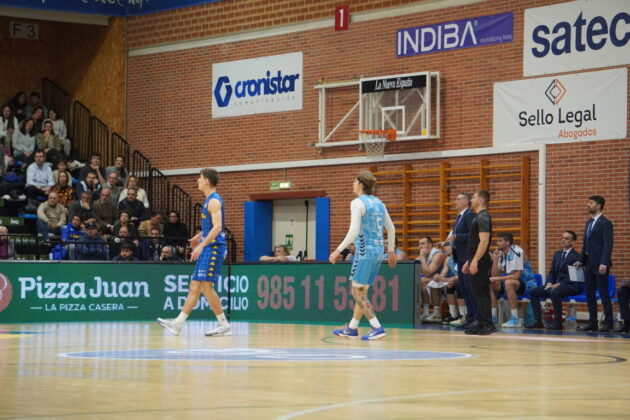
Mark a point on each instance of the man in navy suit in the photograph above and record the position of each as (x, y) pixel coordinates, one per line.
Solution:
(459, 238)
(596, 258)
(558, 284)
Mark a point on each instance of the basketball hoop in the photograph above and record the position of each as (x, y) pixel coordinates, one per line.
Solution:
(374, 141)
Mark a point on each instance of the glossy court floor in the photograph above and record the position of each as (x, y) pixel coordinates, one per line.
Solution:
(285, 371)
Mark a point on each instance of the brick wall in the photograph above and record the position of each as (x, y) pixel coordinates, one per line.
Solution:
(169, 102)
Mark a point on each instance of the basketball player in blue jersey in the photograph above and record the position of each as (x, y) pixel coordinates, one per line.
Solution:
(209, 254)
(368, 217)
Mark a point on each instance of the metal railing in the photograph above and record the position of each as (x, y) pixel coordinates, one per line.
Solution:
(89, 134)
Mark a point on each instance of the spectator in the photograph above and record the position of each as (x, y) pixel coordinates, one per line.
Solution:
(105, 211)
(62, 166)
(64, 189)
(431, 260)
(49, 142)
(60, 129)
(92, 247)
(176, 233)
(152, 246)
(51, 216)
(8, 125)
(24, 142)
(71, 234)
(280, 254)
(7, 248)
(558, 284)
(133, 206)
(401, 255)
(167, 254)
(18, 106)
(119, 168)
(155, 222)
(121, 237)
(38, 119)
(83, 208)
(34, 104)
(124, 220)
(94, 166)
(512, 274)
(89, 184)
(126, 253)
(141, 195)
(112, 184)
(39, 177)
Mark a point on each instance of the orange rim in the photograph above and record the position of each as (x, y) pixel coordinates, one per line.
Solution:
(388, 134)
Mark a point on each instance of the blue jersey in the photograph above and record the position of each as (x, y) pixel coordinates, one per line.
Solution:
(369, 242)
(206, 220)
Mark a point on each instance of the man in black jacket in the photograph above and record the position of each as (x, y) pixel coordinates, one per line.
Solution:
(596, 258)
(558, 284)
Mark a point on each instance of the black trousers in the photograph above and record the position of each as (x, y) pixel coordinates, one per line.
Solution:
(466, 291)
(623, 293)
(556, 294)
(479, 284)
(596, 281)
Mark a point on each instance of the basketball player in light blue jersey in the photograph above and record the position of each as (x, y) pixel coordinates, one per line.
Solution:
(368, 217)
(209, 254)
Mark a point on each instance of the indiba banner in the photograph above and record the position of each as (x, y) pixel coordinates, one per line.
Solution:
(585, 106)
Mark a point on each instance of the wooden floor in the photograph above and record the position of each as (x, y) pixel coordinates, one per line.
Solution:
(284, 371)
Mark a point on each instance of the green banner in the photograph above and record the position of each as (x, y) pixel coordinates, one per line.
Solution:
(292, 292)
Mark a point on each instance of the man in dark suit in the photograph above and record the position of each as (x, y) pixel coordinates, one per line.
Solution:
(558, 284)
(596, 258)
(459, 239)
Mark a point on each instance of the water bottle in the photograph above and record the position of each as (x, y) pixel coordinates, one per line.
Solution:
(548, 315)
(571, 317)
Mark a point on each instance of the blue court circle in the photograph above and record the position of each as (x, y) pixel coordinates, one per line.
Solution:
(270, 354)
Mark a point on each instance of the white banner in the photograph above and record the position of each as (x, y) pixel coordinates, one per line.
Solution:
(578, 35)
(585, 106)
(257, 85)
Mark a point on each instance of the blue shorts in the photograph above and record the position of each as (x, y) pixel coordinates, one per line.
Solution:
(208, 267)
(364, 271)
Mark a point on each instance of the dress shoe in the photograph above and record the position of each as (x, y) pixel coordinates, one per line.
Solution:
(588, 327)
(622, 328)
(487, 330)
(535, 324)
(468, 321)
(555, 327)
(472, 325)
(605, 328)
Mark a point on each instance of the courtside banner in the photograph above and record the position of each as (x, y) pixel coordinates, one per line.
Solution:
(585, 106)
(578, 35)
(465, 33)
(292, 292)
(257, 85)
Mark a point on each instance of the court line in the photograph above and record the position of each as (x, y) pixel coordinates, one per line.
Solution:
(438, 394)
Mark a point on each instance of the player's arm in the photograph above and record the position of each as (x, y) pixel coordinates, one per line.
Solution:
(357, 210)
(391, 240)
(214, 208)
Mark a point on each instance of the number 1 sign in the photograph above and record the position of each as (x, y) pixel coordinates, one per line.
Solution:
(342, 18)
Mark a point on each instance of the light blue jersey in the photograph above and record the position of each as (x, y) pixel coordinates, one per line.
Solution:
(369, 243)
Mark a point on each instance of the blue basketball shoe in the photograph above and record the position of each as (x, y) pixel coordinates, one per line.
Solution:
(347, 332)
(375, 334)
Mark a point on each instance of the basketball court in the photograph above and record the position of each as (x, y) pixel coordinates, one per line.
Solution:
(121, 370)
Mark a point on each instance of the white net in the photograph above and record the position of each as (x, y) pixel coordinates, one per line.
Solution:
(374, 142)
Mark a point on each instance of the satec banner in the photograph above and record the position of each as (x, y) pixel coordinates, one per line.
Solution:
(578, 35)
(584, 106)
(257, 85)
(293, 292)
(465, 33)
